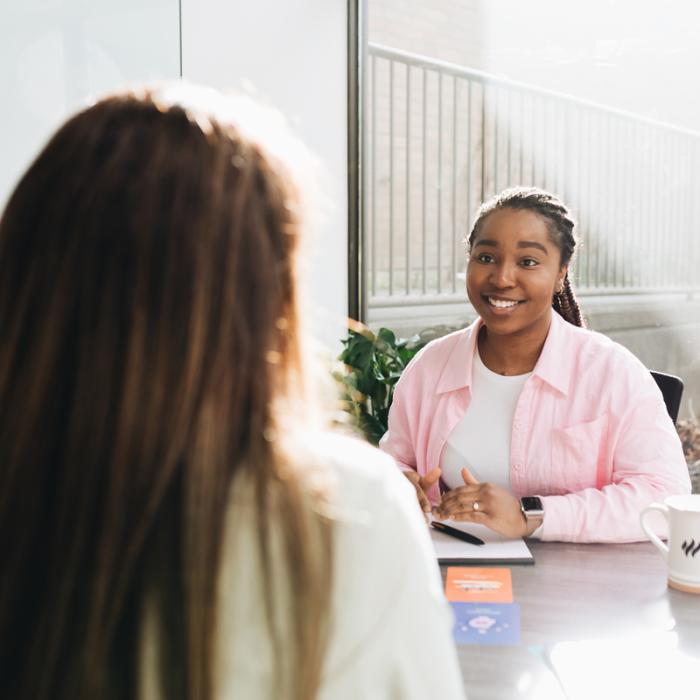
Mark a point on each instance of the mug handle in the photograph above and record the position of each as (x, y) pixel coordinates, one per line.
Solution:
(661, 546)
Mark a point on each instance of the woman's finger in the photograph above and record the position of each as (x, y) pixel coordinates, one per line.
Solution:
(412, 476)
(464, 494)
(430, 478)
(471, 516)
(463, 491)
(423, 500)
(459, 508)
(468, 477)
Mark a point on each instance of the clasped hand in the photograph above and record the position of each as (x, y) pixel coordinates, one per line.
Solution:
(476, 502)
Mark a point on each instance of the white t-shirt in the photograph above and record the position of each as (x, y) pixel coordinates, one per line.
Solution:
(392, 626)
(481, 439)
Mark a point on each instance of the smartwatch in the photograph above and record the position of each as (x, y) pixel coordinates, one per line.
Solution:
(531, 506)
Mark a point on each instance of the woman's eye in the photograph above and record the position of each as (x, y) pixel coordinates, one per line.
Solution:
(484, 258)
(528, 262)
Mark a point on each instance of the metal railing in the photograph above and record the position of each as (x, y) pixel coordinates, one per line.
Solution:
(441, 138)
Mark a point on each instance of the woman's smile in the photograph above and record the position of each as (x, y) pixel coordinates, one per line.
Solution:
(501, 304)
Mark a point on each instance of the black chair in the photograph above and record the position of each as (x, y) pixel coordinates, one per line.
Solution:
(672, 390)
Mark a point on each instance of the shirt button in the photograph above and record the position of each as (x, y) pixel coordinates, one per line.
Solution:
(517, 466)
(517, 425)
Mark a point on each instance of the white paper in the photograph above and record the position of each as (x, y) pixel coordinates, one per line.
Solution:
(496, 548)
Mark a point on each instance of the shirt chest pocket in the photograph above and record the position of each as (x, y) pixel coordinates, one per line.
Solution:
(578, 456)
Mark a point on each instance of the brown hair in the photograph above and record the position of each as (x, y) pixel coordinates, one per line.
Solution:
(150, 352)
(561, 227)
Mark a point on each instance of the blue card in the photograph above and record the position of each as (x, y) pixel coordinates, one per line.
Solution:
(487, 623)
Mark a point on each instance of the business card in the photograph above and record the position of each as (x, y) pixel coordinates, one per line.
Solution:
(490, 624)
(468, 584)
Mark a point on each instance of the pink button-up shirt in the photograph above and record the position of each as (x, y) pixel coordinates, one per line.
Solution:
(591, 434)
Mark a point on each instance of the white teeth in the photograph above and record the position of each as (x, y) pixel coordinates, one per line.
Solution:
(501, 303)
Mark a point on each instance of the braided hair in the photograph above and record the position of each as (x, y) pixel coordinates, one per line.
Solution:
(561, 226)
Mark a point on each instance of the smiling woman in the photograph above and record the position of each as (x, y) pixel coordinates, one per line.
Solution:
(539, 426)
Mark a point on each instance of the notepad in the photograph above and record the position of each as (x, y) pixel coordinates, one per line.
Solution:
(496, 550)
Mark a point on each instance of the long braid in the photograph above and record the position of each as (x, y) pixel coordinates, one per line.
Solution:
(566, 305)
(561, 226)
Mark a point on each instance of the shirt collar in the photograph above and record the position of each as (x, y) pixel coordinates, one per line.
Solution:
(554, 363)
(552, 366)
(457, 370)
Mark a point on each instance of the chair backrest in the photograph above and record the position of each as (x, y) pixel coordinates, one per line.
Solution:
(672, 390)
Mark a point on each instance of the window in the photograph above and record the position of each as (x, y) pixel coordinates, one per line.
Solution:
(598, 102)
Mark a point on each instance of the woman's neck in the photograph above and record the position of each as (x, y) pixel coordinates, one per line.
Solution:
(510, 355)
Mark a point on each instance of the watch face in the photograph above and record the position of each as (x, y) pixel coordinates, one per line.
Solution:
(531, 503)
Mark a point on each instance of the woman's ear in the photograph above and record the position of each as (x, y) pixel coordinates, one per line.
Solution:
(561, 279)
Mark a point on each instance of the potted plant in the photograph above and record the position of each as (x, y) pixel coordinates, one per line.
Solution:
(372, 364)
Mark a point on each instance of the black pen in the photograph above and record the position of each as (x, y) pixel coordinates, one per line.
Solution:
(454, 532)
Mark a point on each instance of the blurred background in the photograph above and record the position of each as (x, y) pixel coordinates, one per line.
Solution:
(598, 102)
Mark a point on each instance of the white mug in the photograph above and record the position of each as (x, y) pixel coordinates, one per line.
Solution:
(683, 550)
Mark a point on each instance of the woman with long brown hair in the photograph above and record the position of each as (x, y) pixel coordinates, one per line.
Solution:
(173, 521)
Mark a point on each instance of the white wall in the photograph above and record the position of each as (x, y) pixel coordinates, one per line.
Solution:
(293, 54)
(54, 54)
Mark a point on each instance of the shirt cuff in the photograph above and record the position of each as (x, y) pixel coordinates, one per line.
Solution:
(537, 534)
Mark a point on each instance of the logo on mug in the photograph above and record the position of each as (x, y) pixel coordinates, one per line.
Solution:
(690, 548)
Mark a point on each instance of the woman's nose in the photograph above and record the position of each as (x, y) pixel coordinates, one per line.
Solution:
(503, 275)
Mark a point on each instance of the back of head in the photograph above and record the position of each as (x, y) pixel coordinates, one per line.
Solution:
(150, 349)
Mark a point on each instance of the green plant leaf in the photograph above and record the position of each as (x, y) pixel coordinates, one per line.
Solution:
(372, 428)
(374, 364)
(387, 336)
(358, 351)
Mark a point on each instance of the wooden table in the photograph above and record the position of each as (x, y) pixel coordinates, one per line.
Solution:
(578, 601)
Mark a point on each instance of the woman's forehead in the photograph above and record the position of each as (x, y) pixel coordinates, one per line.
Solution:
(513, 226)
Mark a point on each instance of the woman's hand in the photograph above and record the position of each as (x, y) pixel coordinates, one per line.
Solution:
(422, 484)
(486, 504)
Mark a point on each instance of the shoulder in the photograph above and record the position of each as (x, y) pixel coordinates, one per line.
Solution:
(593, 344)
(442, 347)
(436, 353)
(594, 353)
(363, 476)
(370, 499)
(378, 524)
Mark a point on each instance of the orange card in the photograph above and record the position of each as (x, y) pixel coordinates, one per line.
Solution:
(470, 584)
